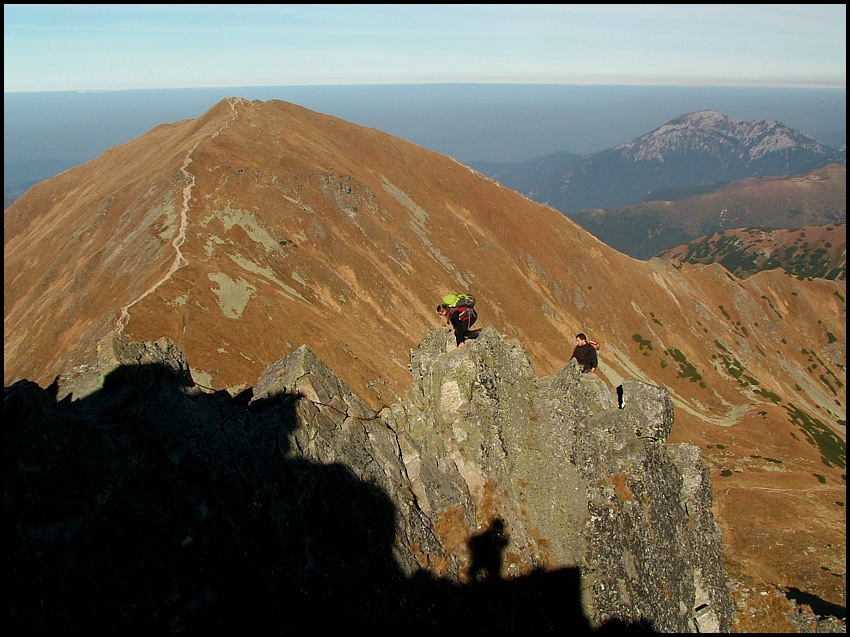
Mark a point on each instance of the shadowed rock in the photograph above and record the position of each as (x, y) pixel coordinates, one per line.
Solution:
(485, 500)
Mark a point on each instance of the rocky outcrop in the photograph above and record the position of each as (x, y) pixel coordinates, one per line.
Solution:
(486, 500)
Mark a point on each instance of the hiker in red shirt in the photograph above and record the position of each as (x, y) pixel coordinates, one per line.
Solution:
(460, 319)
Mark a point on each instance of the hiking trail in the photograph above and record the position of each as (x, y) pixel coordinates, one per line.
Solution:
(179, 260)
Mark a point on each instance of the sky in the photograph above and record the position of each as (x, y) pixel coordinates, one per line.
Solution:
(84, 47)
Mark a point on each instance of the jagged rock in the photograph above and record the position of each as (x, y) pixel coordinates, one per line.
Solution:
(485, 500)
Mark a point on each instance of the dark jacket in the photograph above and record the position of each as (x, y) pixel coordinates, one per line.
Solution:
(586, 356)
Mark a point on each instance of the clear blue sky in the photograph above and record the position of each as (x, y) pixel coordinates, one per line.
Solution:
(75, 47)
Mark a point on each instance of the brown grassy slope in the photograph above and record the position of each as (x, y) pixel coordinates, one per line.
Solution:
(649, 228)
(818, 197)
(261, 226)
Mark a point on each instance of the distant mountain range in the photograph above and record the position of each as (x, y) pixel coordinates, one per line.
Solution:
(698, 174)
(694, 152)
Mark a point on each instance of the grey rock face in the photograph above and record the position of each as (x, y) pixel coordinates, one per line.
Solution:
(486, 500)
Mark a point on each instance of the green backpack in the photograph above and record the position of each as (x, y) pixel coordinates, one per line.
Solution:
(464, 301)
(459, 300)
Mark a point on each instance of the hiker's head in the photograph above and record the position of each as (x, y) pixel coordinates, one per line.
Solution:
(581, 338)
(442, 308)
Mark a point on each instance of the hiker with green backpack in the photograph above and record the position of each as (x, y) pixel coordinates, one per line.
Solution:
(460, 314)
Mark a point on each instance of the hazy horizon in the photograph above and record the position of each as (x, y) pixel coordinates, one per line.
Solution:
(496, 123)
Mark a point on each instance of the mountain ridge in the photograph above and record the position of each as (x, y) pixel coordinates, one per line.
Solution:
(647, 228)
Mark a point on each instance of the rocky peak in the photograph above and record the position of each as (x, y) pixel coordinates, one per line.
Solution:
(713, 133)
(485, 500)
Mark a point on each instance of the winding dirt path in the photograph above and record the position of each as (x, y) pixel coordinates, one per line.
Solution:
(179, 260)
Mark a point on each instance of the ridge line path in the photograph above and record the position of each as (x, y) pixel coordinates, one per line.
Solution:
(179, 260)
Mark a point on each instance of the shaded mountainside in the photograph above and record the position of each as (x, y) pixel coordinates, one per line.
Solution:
(812, 251)
(645, 229)
(260, 227)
